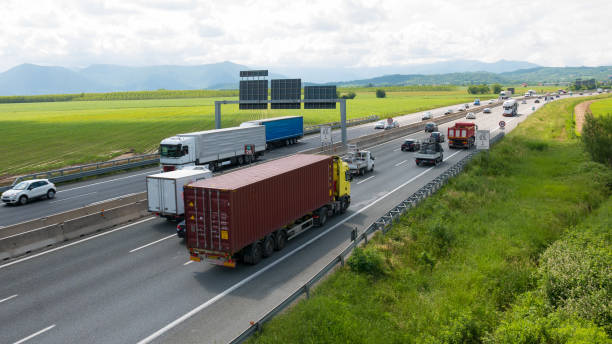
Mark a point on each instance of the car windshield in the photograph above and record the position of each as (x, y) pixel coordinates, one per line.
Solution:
(173, 151)
(21, 186)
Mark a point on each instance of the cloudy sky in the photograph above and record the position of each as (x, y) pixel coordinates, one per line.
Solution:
(329, 33)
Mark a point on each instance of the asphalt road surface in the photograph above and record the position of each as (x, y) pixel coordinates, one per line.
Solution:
(136, 283)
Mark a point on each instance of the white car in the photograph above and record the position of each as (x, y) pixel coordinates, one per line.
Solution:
(470, 115)
(28, 190)
(380, 125)
(524, 101)
(391, 125)
(427, 115)
(486, 110)
(448, 112)
(491, 101)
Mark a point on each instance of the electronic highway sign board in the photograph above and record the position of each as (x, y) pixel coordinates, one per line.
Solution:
(253, 73)
(251, 93)
(286, 89)
(320, 93)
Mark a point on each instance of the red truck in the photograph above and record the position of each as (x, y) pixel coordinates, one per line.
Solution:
(462, 134)
(247, 214)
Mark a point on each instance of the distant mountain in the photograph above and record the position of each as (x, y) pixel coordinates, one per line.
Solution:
(28, 79)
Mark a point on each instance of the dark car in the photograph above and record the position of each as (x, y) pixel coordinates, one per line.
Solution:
(180, 229)
(437, 136)
(537, 101)
(411, 145)
(430, 127)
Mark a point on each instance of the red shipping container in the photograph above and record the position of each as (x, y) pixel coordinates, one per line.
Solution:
(227, 213)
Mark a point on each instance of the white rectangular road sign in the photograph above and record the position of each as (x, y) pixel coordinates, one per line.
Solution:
(326, 135)
(482, 139)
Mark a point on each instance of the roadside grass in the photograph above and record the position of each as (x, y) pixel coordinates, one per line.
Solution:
(43, 136)
(601, 107)
(451, 270)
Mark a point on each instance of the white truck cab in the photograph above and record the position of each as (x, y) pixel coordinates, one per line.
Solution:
(177, 151)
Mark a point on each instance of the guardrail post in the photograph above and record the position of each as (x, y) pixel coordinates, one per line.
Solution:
(307, 290)
(354, 234)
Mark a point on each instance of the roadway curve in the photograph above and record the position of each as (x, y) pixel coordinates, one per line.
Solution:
(135, 283)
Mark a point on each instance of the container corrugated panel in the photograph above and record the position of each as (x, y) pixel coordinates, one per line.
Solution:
(228, 212)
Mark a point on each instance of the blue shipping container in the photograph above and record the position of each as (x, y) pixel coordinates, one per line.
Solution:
(280, 129)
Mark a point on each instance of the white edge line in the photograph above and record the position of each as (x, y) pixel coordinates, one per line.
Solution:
(365, 180)
(71, 197)
(400, 163)
(113, 199)
(8, 298)
(152, 243)
(189, 262)
(35, 334)
(76, 242)
(273, 264)
(106, 181)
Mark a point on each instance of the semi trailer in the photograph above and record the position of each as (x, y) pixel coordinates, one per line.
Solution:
(249, 213)
(165, 191)
(213, 148)
(280, 131)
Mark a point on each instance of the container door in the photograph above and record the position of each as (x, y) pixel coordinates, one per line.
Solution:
(168, 196)
(153, 194)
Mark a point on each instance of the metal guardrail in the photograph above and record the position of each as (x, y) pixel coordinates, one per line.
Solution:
(384, 224)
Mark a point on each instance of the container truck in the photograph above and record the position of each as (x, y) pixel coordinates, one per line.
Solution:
(462, 135)
(214, 148)
(510, 107)
(280, 131)
(247, 214)
(165, 191)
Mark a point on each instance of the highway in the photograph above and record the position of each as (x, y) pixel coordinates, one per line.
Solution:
(136, 283)
(76, 195)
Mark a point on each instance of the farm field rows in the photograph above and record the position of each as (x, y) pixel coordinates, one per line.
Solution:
(44, 136)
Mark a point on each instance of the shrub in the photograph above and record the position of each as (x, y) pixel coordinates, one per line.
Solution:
(380, 93)
(597, 137)
(368, 261)
(497, 88)
(349, 95)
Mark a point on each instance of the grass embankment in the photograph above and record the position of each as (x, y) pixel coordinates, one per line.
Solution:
(467, 266)
(601, 107)
(43, 136)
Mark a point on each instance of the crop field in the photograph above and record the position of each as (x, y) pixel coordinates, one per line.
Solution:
(514, 250)
(601, 107)
(48, 135)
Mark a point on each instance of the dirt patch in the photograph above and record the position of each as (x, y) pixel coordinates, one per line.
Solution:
(123, 156)
(579, 111)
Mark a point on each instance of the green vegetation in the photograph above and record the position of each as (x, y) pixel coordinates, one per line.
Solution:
(134, 95)
(380, 93)
(601, 107)
(478, 262)
(479, 89)
(597, 137)
(44, 136)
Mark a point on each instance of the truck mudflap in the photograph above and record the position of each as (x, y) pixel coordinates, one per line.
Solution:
(215, 258)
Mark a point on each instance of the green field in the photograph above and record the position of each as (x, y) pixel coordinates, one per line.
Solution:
(474, 263)
(43, 136)
(601, 107)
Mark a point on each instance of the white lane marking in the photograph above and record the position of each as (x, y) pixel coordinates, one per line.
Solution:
(113, 198)
(65, 199)
(273, 264)
(399, 163)
(76, 242)
(8, 298)
(35, 334)
(365, 180)
(106, 181)
(152, 243)
(189, 262)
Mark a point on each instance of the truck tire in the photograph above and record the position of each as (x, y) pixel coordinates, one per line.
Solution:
(248, 159)
(212, 166)
(253, 253)
(322, 213)
(344, 204)
(23, 200)
(267, 246)
(240, 160)
(280, 240)
(372, 169)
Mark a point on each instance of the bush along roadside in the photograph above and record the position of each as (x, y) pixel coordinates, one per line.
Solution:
(467, 262)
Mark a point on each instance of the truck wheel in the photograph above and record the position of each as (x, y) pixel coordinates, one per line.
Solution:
(344, 204)
(267, 246)
(247, 159)
(240, 160)
(372, 169)
(23, 200)
(322, 217)
(280, 239)
(253, 254)
(212, 167)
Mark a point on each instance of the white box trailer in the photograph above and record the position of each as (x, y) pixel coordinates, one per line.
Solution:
(236, 145)
(165, 191)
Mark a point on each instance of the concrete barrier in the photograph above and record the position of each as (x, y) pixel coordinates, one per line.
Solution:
(36, 239)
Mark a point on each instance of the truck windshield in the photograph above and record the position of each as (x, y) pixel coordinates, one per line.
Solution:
(172, 151)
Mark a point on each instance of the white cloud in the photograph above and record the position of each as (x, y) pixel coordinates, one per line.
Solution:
(316, 33)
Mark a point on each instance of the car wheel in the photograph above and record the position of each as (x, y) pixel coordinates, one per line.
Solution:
(51, 194)
(23, 200)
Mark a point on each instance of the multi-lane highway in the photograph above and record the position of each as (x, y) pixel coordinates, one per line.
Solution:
(84, 193)
(135, 283)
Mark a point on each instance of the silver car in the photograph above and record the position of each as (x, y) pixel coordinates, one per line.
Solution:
(427, 115)
(486, 110)
(470, 115)
(29, 190)
(380, 125)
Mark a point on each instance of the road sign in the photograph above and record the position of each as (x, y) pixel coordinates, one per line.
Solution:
(502, 124)
(326, 135)
(482, 139)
